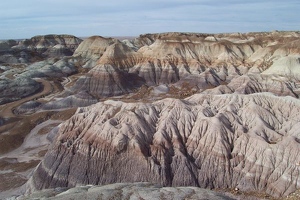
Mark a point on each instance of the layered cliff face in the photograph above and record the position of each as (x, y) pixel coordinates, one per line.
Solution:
(225, 56)
(256, 83)
(203, 61)
(208, 110)
(37, 48)
(52, 45)
(249, 142)
(92, 48)
(125, 191)
(12, 90)
(110, 76)
(39, 57)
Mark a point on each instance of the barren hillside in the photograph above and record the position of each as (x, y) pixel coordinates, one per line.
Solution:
(216, 111)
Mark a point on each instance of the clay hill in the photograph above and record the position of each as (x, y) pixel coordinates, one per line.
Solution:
(40, 56)
(225, 63)
(176, 110)
(234, 141)
(37, 48)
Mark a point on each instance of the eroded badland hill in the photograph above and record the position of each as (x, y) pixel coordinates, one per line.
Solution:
(176, 110)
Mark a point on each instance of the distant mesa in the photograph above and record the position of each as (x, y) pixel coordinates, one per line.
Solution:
(38, 48)
(199, 61)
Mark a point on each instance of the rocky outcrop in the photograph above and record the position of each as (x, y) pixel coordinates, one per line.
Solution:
(6, 51)
(6, 45)
(52, 45)
(236, 130)
(8, 58)
(204, 61)
(50, 68)
(257, 83)
(248, 142)
(16, 81)
(107, 80)
(28, 107)
(18, 88)
(175, 56)
(37, 48)
(111, 76)
(81, 99)
(286, 66)
(123, 191)
(92, 48)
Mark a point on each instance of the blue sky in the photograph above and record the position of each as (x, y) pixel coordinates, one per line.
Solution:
(25, 19)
